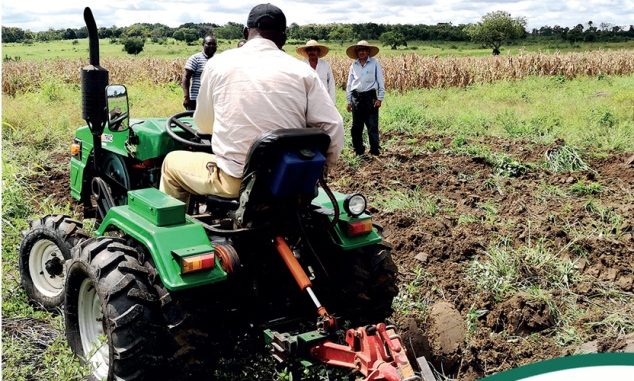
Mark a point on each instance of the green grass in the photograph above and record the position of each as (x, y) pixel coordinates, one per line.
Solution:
(504, 270)
(66, 49)
(411, 300)
(34, 347)
(577, 111)
(581, 188)
(416, 202)
(565, 159)
(606, 221)
(180, 50)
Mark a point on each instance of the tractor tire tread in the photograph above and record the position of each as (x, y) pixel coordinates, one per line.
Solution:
(134, 324)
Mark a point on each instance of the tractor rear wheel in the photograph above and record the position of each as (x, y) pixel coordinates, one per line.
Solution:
(112, 313)
(370, 285)
(44, 250)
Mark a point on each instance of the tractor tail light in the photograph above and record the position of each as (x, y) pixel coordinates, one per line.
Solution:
(197, 263)
(358, 228)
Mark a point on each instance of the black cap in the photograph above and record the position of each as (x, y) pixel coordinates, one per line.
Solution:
(267, 16)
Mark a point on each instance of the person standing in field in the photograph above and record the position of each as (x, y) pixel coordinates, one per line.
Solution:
(364, 92)
(194, 69)
(244, 93)
(314, 52)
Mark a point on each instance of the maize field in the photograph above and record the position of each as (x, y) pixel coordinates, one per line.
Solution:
(402, 73)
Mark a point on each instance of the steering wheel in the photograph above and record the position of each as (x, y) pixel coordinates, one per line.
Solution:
(193, 139)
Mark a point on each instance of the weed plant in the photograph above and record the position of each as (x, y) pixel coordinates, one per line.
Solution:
(415, 202)
(565, 159)
(506, 270)
(581, 188)
(411, 300)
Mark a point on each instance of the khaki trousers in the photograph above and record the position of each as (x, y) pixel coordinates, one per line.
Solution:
(186, 173)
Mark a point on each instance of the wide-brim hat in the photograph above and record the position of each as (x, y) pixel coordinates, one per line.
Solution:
(323, 49)
(374, 50)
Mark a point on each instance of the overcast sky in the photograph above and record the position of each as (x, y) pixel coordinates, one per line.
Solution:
(57, 14)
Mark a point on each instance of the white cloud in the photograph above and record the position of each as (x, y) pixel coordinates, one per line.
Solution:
(41, 15)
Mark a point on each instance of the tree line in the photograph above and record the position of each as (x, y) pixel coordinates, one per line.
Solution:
(399, 33)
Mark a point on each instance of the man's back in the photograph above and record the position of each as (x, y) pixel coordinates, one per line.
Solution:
(258, 88)
(246, 92)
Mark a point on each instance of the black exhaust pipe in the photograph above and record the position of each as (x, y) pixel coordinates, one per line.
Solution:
(93, 37)
(94, 80)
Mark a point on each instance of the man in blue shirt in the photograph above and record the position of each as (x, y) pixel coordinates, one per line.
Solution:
(194, 69)
(364, 91)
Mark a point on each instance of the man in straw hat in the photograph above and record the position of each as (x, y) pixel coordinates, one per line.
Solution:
(314, 52)
(244, 93)
(364, 93)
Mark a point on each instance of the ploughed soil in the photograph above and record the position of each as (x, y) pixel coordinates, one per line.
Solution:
(468, 332)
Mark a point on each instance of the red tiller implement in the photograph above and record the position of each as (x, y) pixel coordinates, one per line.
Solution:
(376, 351)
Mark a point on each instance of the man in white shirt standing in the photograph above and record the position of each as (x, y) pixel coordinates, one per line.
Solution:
(314, 52)
(246, 92)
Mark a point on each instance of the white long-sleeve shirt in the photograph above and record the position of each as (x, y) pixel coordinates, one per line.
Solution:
(258, 88)
(324, 71)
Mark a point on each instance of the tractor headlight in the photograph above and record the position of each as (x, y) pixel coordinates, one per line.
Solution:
(355, 204)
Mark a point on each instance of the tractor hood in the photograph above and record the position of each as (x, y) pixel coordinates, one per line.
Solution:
(148, 139)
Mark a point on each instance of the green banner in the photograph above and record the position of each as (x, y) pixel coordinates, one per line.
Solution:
(614, 360)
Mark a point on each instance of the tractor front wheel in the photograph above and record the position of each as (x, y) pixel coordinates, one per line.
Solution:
(112, 313)
(44, 250)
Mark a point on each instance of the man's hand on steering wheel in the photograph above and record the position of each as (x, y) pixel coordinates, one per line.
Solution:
(193, 139)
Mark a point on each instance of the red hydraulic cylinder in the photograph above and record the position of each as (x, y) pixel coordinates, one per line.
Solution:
(292, 263)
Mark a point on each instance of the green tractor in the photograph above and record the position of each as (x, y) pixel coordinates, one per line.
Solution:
(160, 276)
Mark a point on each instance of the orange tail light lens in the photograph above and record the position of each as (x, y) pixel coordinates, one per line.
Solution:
(197, 263)
(75, 149)
(358, 228)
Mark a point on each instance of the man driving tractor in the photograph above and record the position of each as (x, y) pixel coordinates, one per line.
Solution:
(244, 93)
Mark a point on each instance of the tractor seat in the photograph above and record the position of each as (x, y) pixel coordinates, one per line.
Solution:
(215, 205)
(287, 164)
(221, 203)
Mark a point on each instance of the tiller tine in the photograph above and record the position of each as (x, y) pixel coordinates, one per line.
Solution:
(376, 351)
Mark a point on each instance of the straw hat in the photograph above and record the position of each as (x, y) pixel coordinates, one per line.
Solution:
(363, 43)
(323, 50)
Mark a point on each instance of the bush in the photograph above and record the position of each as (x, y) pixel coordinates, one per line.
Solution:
(133, 45)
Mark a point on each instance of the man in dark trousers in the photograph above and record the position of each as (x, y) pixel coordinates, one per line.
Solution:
(364, 91)
(194, 69)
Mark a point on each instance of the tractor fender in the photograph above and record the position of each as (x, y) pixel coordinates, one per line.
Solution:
(337, 233)
(81, 165)
(166, 245)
